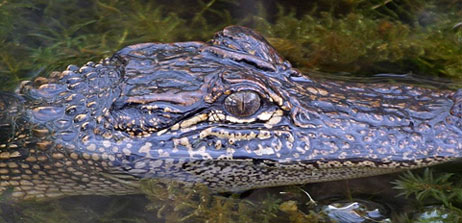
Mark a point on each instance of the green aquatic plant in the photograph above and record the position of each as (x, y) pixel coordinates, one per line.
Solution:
(358, 43)
(434, 189)
(178, 202)
(419, 36)
(50, 34)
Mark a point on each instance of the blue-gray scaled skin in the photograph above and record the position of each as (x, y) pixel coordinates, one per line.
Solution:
(229, 113)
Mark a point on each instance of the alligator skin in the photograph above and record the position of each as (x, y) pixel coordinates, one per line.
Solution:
(230, 113)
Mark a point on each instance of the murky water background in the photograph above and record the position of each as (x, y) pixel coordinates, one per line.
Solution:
(417, 41)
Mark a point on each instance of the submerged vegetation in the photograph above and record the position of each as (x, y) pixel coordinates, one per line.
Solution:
(362, 37)
(439, 196)
(435, 197)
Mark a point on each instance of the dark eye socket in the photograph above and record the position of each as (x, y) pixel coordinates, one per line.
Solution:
(243, 103)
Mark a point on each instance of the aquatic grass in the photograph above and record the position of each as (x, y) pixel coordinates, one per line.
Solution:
(51, 34)
(178, 202)
(359, 44)
(333, 36)
(433, 189)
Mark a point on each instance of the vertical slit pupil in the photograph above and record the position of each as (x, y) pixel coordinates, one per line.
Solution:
(242, 103)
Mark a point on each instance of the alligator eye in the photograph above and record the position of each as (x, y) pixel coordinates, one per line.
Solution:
(243, 103)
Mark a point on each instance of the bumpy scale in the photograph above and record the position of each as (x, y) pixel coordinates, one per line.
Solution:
(230, 113)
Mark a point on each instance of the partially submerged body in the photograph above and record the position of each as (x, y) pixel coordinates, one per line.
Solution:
(230, 114)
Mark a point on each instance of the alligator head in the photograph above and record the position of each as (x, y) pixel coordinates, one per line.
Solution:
(230, 113)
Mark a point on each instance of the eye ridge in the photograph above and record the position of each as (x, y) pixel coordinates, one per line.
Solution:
(243, 103)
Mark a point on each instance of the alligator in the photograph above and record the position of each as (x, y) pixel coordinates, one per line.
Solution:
(230, 113)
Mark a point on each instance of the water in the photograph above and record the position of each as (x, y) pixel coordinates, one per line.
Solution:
(379, 40)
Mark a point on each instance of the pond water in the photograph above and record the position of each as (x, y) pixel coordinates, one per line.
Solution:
(413, 41)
